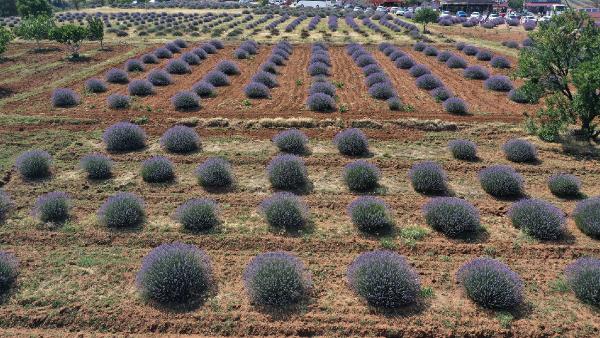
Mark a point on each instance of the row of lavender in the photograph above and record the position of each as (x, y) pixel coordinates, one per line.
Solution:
(424, 79)
(266, 78)
(321, 96)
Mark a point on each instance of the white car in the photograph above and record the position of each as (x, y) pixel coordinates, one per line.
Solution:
(357, 9)
(493, 16)
(381, 9)
(446, 13)
(400, 12)
(528, 18)
(475, 15)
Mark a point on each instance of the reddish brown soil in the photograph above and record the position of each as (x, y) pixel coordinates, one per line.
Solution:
(500, 34)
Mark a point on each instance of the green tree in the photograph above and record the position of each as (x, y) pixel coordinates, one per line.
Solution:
(28, 8)
(563, 62)
(76, 3)
(70, 35)
(5, 37)
(515, 4)
(96, 30)
(426, 15)
(35, 28)
(8, 8)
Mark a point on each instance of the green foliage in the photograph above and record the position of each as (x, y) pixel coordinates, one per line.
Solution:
(563, 62)
(8, 8)
(96, 30)
(426, 15)
(36, 28)
(32, 8)
(5, 37)
(70, 35)
(515, 4)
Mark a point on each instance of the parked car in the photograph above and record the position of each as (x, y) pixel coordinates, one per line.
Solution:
(461, 14)
(475, 15)
(446, 13)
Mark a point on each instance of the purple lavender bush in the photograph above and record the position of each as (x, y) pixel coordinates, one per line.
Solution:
(52, 207)
(452, 216)
(587, 216)
(284, 210)
(321, 102)
(491, 284)
(122, 210)
(6, 205)
(257, 90)
(538, 218)
(352, 142)
(456, 105)
(564, 185)
(583, 277)
(370, 214)
(463, 150)
(157, 169)
(9, 270)
(97, 166)
(34, 164)
(276, 279)
(501, 181)
(428, 177)
(361, 176)
(198, 214)
(185, 101)
(215, 172)
(124, 136)
(65, 98)
(180, 139)
(291, 141)
(520, 151)
(175, 275)
(159, 77)
(95, 85)
(384, 279)
(287, 172)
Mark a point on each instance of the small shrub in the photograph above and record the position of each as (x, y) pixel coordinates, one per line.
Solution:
(361, 176)
(216, 78)
(163, 53)
(217, 43)
(428, 82)
(215, 172)
(394, 103)
(501, 181)
(456, 105)
(228, 67)
(190, 58)
(499, 83)
(419, 70)
(140, 88)
(500, 62)
(564, 185)
(257, 90)
(9, 270)
(291, 141)
(444, 56)
(180, 139)
(118, 101)
(157, 169)
(404, 62)
(455, 62)
(149, 59)
(204, 89)
(583, 277)
(287, 172)
(370, 214)
(276, 279)
(178, 66)
(175, 274)
(452, 216)
(520, 151)
(384, 279)
(428, 177)
(6, 205)
(52, 207)
(265, 78)
(34, 164)
(519, 95)
(134, 66)
(116, 75)
(538, 218)
(320, 102)
(463, 150)
(64, 98)
(491, 283)
(430, 51)
(198, 214)
(318, 68)
(441, 94)
(484, 55)
(382, 91)
(95, 85)
(185, 100)
(124, 136)
(160, 77)
(122, 210)
(470, 50)
(352, 142)
(420, 46)
(240, 54)
(284, 210)
(172, 47)
(97, 166)
(322, 87)
(587, 216)
(476, 73)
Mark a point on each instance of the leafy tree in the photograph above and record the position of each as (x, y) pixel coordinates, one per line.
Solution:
(426, 15)
(28, 8)
(5, 37)
(96, 30)
(76, 3)
(35, 28)
(563, 62)
(515, 4)
(70, 35)
(8, 8)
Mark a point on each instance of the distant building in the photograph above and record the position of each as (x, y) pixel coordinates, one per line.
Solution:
(541, 6)
(467, 5)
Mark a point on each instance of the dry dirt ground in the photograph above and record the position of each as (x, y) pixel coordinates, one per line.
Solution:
(79, 277)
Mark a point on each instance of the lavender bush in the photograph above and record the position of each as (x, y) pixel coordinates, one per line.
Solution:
(97, 166)
(198, 214)
(452, 216)
(124, 136)
(122, 210)
(215, 172)
(587, 216)
(287, 172)
(583, 277)
(52, 207)
(34, 164)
